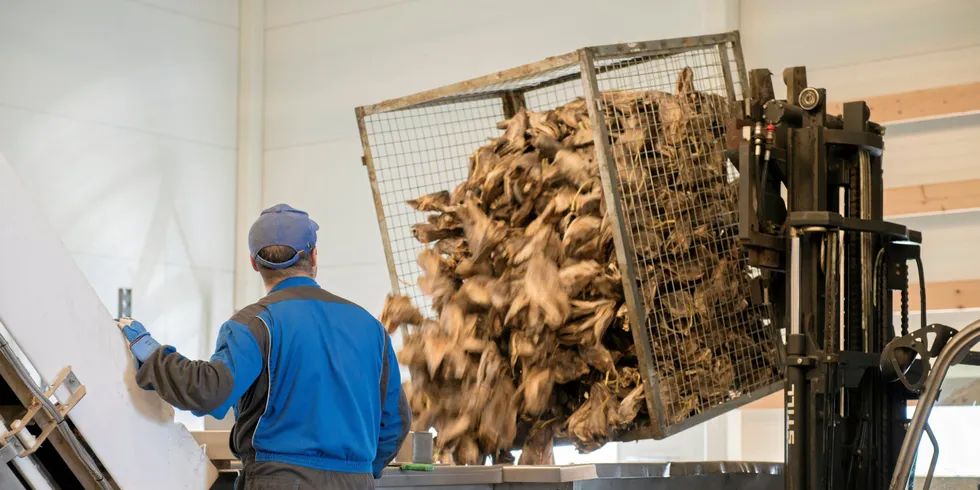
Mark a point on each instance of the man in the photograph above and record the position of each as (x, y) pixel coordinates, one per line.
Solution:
(312, 378)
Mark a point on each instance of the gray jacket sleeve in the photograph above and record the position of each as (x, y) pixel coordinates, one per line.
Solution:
(197, 386)
(206, 387)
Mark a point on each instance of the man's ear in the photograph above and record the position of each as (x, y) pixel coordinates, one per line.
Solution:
(313, 257)
(255, 266)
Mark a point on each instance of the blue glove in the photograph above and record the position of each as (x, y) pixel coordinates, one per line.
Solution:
(140, 341)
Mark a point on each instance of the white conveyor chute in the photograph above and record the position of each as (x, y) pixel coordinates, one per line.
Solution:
(56, 319)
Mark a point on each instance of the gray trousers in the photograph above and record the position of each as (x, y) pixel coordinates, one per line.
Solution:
(281, 476)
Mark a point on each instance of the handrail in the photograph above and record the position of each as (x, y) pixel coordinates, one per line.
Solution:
(957, 349)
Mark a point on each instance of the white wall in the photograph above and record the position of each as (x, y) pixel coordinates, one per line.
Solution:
(325, 58)
(120, 116)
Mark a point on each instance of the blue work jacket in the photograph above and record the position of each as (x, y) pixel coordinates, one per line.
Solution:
(312, 379)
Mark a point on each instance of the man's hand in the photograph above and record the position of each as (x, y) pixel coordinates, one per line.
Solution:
(140, 341)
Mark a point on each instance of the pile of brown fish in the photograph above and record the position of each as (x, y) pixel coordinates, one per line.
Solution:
(532, 341)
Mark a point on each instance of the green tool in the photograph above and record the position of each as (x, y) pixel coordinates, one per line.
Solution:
(416, 467)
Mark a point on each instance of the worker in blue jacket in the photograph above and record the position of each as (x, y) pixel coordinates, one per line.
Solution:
(312, 378)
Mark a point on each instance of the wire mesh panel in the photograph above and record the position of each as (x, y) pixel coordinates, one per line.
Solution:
(416, 152)
(601, 292)
(666, 116)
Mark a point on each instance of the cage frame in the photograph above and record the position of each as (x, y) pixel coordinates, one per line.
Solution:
(587, 60)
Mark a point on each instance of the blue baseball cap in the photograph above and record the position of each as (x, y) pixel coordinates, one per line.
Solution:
(282, 225)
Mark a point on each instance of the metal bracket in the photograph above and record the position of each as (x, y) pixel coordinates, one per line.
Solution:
(64, 378)
(10, 450)
(831, 220)
(125, 305)
(900, 352)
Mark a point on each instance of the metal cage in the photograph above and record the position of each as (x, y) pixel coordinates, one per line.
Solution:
(420, 144)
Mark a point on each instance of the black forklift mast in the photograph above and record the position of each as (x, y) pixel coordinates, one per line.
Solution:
(810, 218)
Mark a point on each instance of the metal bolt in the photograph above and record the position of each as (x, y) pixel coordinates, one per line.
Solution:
(799, 361)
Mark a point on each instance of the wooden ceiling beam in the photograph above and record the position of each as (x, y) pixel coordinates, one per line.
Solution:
(945, 295)
(921, 105)
(936, 198)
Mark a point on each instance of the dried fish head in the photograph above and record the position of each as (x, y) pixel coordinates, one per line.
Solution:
(411, 354)
(571, 166)
(580, 240)
(437, 343)
(547, 145)
(427, 233)
(498, 422)
(467, 452)
(609, 284)
(437, 201)
(600, 315)
(397, 311)
(567, 366)
(680, 304)
(722, 376)
(598, 356)
(630, 406)
(674, 113)
(453, 246)
(697, 263)
(583, 136)
(632, 177)
(723, 276)
(685, 82)
(548, 303)
(543, 241)
(591, 425)
(520, 346)
(590, 203)
(513, 140)
(573, 115)
(482, 233)
(630, 143)
(681, 237)
(648, 243)
(624, 102)
(538, 385)
(675, 202)
(492, 187)
(575, 277)
(434, 280)
(544, 123)
(469, 267)
(539, 445)
(474, 294)
(482, 161)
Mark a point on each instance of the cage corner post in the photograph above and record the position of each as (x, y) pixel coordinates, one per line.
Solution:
(513, 101)
(624, 250)
(368, 162)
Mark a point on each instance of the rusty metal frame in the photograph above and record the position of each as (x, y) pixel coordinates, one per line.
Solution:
(456, 91)
(368, 162)
(71, 457)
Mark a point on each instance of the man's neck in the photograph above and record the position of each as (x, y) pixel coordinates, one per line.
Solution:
(269, 286)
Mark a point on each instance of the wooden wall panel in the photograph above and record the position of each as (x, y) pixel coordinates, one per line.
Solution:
(921, 105)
